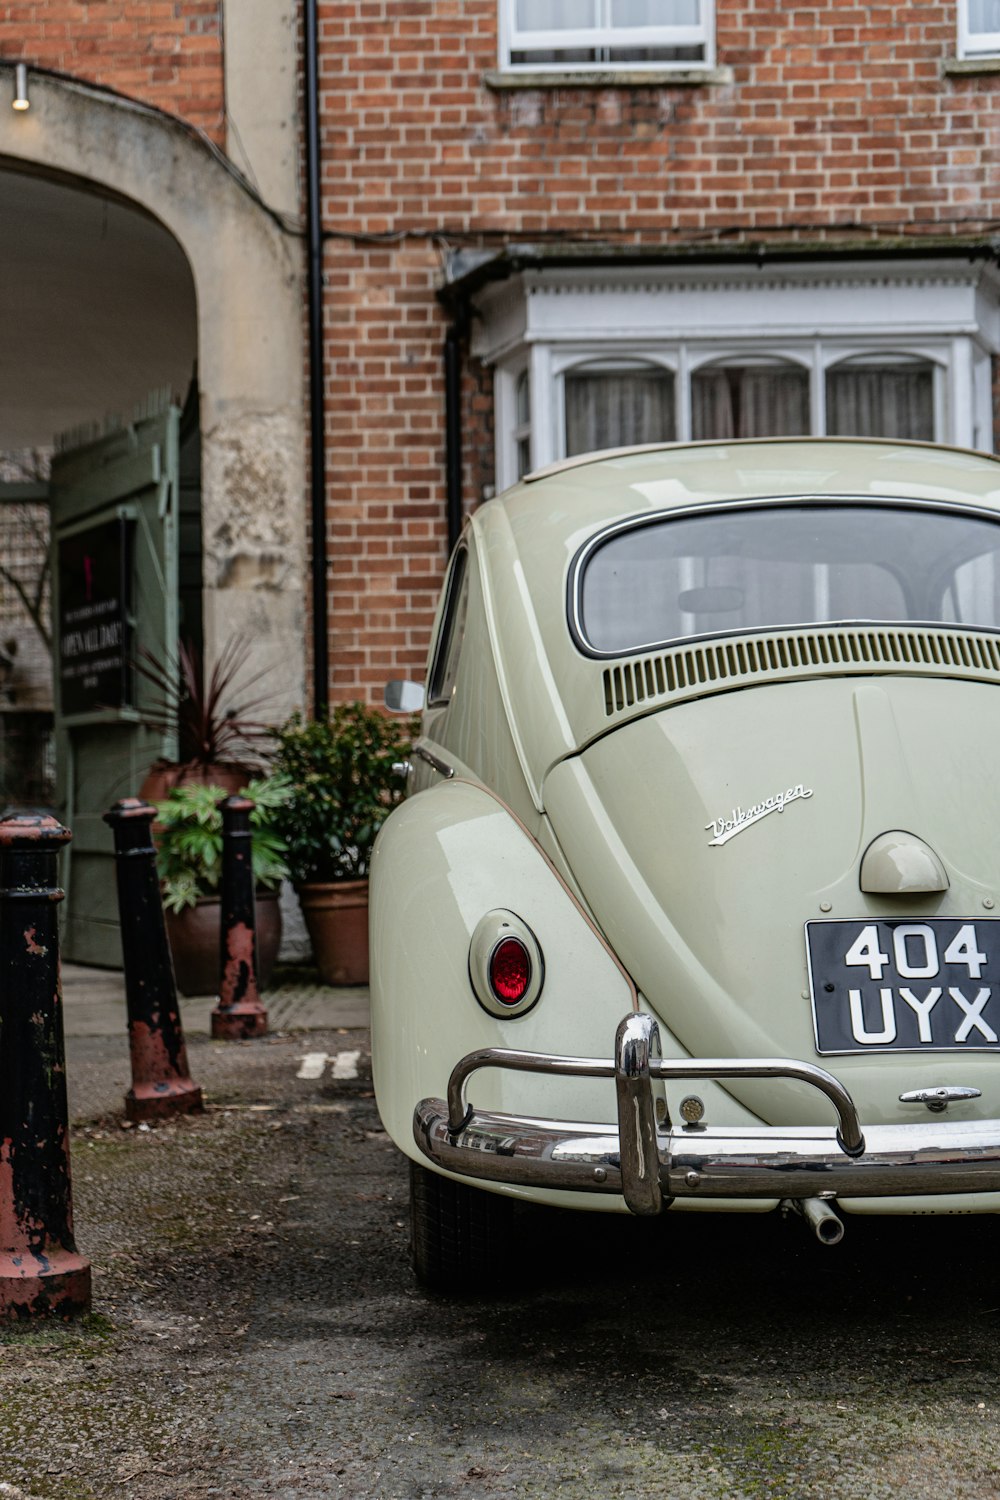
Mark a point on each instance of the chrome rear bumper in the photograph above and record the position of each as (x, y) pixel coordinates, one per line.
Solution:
(649, 1162)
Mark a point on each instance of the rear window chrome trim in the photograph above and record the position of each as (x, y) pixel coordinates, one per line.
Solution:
(579, 561)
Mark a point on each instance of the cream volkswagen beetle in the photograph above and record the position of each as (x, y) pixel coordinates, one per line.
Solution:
(692, 904)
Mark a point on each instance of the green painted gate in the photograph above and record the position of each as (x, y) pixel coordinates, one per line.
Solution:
(115, 518)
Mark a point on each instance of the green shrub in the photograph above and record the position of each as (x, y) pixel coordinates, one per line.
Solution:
(343, 789)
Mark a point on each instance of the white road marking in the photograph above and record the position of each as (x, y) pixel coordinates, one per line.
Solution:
(345, 1065)
(312, 1065)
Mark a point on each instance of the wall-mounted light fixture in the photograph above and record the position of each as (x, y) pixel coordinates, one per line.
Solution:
(21, 100)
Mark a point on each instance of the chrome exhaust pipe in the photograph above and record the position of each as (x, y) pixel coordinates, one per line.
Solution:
(827, 1226)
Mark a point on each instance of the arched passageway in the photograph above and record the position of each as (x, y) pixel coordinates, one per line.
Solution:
(136, 261)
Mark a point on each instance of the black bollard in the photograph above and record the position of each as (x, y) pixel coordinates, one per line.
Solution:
(40, 1269)
(161, 1084)
(239, 1012)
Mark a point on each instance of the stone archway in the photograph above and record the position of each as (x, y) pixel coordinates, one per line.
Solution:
(247, 277)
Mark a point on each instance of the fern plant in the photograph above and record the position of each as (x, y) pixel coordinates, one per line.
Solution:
(189, 838)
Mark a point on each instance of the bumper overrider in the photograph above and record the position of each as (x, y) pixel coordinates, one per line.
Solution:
(649, 1162)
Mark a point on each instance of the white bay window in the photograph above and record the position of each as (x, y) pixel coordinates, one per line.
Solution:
(599, 358)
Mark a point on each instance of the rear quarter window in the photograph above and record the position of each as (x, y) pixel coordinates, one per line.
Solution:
(448, 646)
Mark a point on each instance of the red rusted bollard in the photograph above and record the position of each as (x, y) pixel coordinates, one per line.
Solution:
(40, 1269)
(161, 1084)
(239, 1012)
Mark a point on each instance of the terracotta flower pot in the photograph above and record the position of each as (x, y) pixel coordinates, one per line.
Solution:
(161, 779)
(336, 918)
(194, 942)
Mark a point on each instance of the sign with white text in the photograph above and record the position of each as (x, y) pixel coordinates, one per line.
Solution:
(95, 586)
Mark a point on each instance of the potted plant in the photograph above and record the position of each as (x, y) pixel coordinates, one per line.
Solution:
(210, 717)
(189, 859)
(343, 787)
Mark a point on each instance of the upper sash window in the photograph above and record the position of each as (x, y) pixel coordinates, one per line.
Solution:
(978, 28)
(597, 35)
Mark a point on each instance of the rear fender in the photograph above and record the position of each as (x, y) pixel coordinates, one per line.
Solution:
(443, 860)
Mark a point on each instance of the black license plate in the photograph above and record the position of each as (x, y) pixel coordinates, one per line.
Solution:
(905, 986)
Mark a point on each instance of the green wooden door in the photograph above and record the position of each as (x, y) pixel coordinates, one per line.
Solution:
(114, 571)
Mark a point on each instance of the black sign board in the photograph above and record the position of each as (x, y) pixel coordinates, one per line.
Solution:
(95, 601)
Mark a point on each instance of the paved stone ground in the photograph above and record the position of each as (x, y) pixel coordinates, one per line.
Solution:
(256, 1331)
(94, 1003)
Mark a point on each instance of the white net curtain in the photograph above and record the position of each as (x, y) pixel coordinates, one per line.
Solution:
(893, 401)
(613, 408)
(984, 15)
(736, 401)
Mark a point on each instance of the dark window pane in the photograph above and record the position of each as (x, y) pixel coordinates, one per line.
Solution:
(893, 401)
(614, 409)
(746, 570)
(749, 401)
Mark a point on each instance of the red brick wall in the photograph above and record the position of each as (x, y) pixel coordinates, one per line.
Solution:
(837, 113)
(164, 52)
(838, 121)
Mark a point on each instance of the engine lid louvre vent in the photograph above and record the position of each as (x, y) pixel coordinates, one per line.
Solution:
(719, 666)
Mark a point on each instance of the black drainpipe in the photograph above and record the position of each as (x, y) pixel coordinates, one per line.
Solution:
(317, 434)
(453, 422)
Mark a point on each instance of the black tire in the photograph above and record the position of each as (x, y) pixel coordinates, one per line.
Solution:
(461, 1238)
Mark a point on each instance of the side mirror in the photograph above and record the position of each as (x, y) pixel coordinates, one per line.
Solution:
(403, 697)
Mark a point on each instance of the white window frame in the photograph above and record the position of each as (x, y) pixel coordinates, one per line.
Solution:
(509, 429)
(685, 359)
(603, 37)
(975, 43)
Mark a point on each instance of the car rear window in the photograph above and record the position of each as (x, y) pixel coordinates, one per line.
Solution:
(749, 568)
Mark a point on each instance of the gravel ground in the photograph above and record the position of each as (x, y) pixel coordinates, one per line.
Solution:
(256, 1331)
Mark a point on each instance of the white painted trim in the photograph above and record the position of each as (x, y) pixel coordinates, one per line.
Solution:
(984, 423)
(505, 416)
(955, 413)
(683, 395)
(817, 389)
(546, 420)
(573, 360)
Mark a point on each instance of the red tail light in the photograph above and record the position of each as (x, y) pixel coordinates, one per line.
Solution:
(510, 971)
(506, 966)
